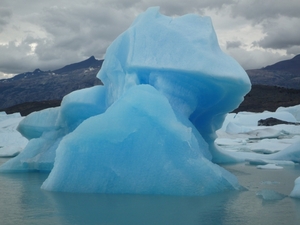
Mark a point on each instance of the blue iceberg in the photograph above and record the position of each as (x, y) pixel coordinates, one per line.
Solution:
(150, 129)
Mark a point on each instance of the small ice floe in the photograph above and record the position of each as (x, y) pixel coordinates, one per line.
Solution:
(270, 195)
(270, 167)
(233, 128)
(269, 146)
(230, 142)
(268, 182)
(11, 141)
(266, 133)
(294, 110)
(296, 190)
(9, 151)
(269, 161)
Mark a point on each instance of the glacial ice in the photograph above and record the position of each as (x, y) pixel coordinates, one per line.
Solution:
(151, 128)
(256, 143)
(11, 142)
(270, 167)
(192, 99)
(270, 162)
(296, 190)
(270, 195)
(37, 123)
(153, 153)
(294, 110)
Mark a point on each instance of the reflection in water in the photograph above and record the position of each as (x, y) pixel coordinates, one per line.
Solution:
(23, 202)
(138, 209)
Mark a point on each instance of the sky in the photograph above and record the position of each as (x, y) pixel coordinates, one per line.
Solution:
(51, 34)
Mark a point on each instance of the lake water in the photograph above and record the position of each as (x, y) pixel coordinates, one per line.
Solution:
(23, 202)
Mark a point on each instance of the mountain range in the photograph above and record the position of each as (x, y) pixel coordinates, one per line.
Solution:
(44, 86)
(281, 74)
(31, 91)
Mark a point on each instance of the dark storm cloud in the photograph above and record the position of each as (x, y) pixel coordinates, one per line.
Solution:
(282, 34)
(71, 34)
(77, 28)
(233, 44)
(279, 22)
(12, 59)
(257, 10)
(178, 8)
(5, 15)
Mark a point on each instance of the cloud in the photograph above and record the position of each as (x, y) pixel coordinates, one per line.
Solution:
(233, 44)
(257, 10)
(294, 50)
(283, 33)
(256, 58)
(5, 15)
(78, 28)
(171, 7)
(12, 59)
(51, 34)
(178, 7)
(66, 35)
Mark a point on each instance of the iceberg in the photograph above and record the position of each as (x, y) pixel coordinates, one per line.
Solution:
(270, 195)
(150, 129)
(277, 144)
(11, 142)
(294, 110)
(296, 190)
(270, 167)
(153, 153)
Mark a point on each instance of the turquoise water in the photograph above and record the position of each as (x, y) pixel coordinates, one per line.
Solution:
(23, 202)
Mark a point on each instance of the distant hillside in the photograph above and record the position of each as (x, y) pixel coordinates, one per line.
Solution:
(259, 99)
(41, 85)
(291, 65)
(263, 97)
(282, 74)
(89, 63)
(273, 86)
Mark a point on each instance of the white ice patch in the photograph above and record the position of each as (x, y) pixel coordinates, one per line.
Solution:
(11, 141)
(270, 167)
(270, 195)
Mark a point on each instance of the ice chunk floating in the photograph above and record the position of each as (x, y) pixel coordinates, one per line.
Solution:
(151, 128)
(296, 190)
